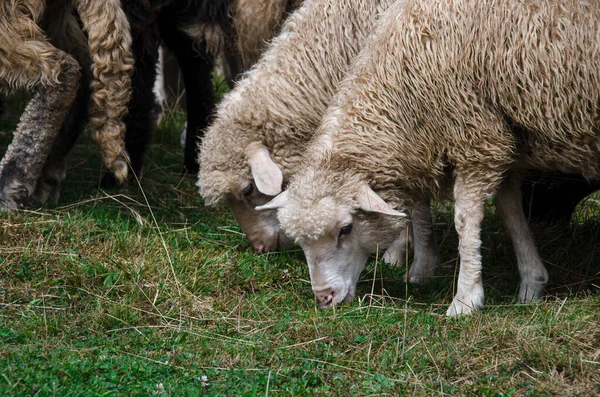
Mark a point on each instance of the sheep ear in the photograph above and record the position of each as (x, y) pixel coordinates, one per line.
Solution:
(370, 201)
(266, 174)
(278, 202)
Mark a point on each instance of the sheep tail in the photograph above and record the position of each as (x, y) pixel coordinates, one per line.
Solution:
(112, 66)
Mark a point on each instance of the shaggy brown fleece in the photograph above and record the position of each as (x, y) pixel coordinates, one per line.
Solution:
(29, 60)
(110, 48)
(254, 24)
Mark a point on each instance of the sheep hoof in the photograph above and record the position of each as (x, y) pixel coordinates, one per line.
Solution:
(422, 271)
(466, 303)
(108, 181)
(13, 195)
(6, 203)
(47, 190)
(394, 257)
(417, 279)
(458, 308)
(530, 293)
(46, 193)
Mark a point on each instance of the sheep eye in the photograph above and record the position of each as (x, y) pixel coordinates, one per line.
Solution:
(345, 230)
(248, 190)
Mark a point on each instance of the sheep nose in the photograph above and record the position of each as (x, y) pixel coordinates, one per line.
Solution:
(324, 298)
(260, 248)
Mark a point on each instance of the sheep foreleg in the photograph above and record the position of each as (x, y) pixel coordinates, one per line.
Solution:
(25, 157)
(396, 253)
(468, 214)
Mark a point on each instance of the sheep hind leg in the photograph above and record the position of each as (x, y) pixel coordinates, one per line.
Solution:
(47, 189)
(24, 159)
(534, 275)
(469, 201)
(196, 62)
(427, 256)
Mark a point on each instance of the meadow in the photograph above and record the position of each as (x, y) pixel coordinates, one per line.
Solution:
(143, 291)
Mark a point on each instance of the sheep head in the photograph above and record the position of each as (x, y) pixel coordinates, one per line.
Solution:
(245, 184)
(337, 231)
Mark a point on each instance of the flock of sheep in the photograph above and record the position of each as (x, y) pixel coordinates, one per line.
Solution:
(356, 115)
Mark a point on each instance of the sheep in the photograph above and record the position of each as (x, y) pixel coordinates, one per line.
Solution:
(262, 127)
(30, 60)
(465, 92)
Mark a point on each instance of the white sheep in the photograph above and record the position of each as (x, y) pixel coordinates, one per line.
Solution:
(263, 126)
(473, 92)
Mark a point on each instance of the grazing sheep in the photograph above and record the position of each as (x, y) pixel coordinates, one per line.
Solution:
(262, 127)
(29, 60)
(470, 91)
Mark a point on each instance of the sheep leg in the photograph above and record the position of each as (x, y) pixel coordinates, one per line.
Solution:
(141, 118)
(469, 202)
(47, 189)
(196, 65)
(25, 157)
(427, 256)
(534, 275)
(199, 92)
(65, 33)
(420, 234)
(396, 253)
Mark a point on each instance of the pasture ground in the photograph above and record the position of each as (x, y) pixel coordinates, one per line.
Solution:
(143, 291)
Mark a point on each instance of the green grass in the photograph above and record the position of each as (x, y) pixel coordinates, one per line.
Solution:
(130, 293)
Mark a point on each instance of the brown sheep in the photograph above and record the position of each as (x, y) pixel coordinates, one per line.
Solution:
(29, 60)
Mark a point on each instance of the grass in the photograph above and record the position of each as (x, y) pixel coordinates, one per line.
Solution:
(147, 292)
